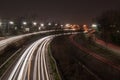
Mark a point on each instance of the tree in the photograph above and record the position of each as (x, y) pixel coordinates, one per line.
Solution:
(109, 25)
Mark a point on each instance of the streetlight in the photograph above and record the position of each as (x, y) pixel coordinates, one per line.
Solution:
(11, 22)
(10, 27)
(41, 24)
(34, 23)
(24, 23)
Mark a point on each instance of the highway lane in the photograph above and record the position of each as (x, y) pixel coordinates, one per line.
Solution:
(22, 69)
(102, 59)
(106, 68)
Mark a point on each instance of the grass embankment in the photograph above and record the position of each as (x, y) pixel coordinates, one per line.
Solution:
(98, 49)
(53, 66)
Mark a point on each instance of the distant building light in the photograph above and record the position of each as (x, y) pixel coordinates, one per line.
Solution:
(16, 28)
(49, 24)
(39, 28)
(84, 25)
(27, 29)
(85, 32)
(56, 24)
(67, 25)
(22, 27)
(61, 25)
(0, 23)
(114, 25)
(118, 31)
(94, 25)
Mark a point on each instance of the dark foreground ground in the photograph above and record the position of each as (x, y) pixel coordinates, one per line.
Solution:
(68, 61)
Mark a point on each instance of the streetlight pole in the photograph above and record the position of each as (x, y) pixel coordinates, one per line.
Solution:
(10, 26)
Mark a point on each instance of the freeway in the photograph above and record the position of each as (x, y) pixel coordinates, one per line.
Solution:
(5, 42)
(32, 64)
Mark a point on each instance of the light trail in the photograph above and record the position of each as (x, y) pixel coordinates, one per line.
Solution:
(22, 70)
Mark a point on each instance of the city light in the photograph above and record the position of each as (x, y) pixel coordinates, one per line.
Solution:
(0, 23)
(84, 25)
(39, 28)
(11, 22)
(24, 23)
(118, 31)
(34, 23)
(62, 26)
(56, 24)
(94, 25)
(27, 29)
(86, 29)
(67, 25)
(16, 28)
(49, 24)
(41, 24)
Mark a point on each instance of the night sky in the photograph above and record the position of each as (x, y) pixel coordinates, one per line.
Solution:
(68, 11)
